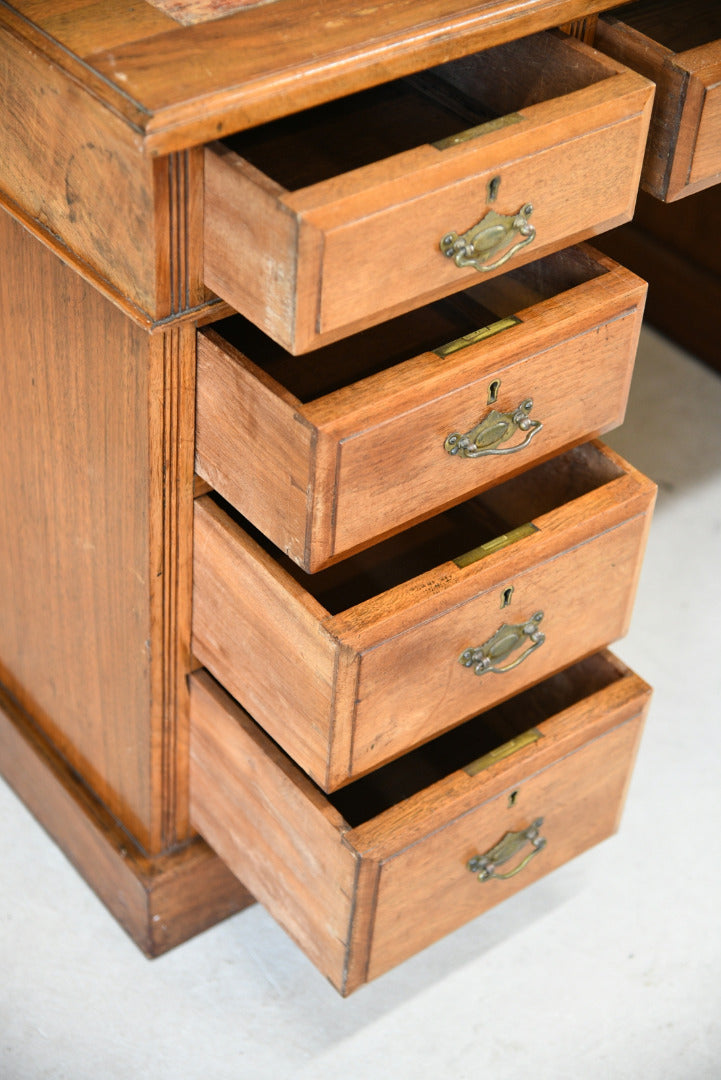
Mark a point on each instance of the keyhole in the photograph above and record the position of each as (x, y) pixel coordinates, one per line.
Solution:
(512, 799)
(506, 596)
(493, 389)
(493, 186)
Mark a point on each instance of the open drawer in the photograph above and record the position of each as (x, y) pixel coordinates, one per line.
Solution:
(678, 45)
(353, 666)
(364, 879)
(329, 452)
(345, 215)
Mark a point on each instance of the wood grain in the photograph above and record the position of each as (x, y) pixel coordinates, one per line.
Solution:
(434, 873)
(250, 430)
(683, 154)
(360, 900)
(171, 416)
(247, 226)
(79, 172)
(668, 243)
(160, 902)
(85, 26)
(271, 826)
(96, 531)
(252, 67)
(227, 74)
(326, 239)
(401, 639)
(284, 663)
(72, 166)
(367, 459)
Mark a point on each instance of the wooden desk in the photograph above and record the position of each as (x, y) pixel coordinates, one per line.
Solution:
(111, 111)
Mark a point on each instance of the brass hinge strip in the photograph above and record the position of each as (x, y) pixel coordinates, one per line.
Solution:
(504, 751)
(496, 544)
(477, 131)
(476, 335)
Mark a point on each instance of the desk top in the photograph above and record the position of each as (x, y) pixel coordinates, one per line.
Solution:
(183, 72)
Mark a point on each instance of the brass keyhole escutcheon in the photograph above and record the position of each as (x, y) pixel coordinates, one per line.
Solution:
(493, 389)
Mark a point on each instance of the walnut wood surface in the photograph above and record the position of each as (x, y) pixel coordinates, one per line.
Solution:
(186, 85)
(160, 901)
(368, 458)
(299, 854)
(398, 641)
(97, 461)
(374, 232)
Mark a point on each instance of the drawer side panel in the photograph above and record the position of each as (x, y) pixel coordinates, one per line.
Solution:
(252, 446)
(250, 242)
(254, 631)
(272, 828)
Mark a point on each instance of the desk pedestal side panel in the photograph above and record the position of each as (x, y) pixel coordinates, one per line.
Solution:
(96, 467)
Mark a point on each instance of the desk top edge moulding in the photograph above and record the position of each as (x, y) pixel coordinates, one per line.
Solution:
(172, 513)
(182, 85)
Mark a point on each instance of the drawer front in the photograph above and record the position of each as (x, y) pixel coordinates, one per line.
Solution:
(679, 47)
(553, 179)
(354, 249)
(412, 684)
(362, 892)
(347, 686)
(332, 475)
(427, 890)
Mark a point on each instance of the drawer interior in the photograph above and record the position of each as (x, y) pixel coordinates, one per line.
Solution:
(452, 534)
(380, 348)
(328, 140)
(463, 746)
(676, 26)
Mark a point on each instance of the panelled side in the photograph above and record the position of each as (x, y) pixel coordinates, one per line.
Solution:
(75, 594)
(78, 171)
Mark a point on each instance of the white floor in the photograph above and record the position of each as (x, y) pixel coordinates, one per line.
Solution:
(608, 969)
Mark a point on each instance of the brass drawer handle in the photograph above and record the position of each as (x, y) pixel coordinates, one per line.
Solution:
(506, 639)
(485, 865)
(485, 240)
(495, 428)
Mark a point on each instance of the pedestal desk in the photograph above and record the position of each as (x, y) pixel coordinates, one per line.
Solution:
(309, 553)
